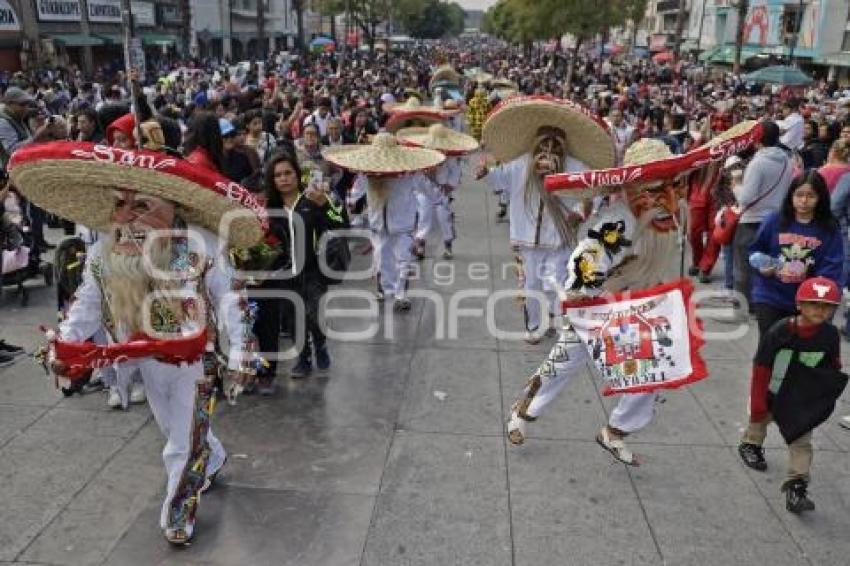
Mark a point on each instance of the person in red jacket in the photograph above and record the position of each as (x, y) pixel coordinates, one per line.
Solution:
(805, 345)
(701, 212)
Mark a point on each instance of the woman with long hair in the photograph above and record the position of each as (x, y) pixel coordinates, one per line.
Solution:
(204, 146)
(801, 240)
(298, 265)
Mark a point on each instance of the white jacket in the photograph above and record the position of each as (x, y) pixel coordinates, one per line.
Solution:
(524, 218)
(395, 211)
(86, 315)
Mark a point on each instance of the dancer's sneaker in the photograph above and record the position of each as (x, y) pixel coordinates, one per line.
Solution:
(402, 304)
(616, 447)
(516, 428)
(113, 398)
(137, 393)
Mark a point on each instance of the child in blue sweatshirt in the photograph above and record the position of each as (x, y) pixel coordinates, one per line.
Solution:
(804, 241)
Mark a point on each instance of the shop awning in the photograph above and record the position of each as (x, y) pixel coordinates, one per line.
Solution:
(158, 39)
(112, 38)
(77, 40)
(840, 59)
(726, 54)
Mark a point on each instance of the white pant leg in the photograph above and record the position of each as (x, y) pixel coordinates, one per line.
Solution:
(555, 266)
(633, 411)
(388, 265)
(425, 208)
(402, 253)
(172, 393)
(532, 263)
(564, 362)
(446, 219)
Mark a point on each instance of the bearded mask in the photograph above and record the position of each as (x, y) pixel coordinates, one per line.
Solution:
(135, 216)
(549, 150)
(662, 202)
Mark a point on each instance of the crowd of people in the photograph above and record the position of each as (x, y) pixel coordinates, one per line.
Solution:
(354, 140)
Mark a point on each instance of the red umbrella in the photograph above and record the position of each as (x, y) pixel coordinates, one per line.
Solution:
(663, 57)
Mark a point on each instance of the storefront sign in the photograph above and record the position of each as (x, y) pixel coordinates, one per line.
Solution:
(8, 18)
(59, 10)
(107, 11)
(658, 42)
(143, 13)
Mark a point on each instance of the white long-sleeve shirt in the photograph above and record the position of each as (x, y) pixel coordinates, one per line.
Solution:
(86, 315)
(527, 226)
(394, 212)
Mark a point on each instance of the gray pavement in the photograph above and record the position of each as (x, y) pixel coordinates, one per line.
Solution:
(397, 458)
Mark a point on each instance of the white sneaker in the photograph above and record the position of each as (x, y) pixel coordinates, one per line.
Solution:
(844, 422)
(532, 338)
(113, 400)
(137, 393)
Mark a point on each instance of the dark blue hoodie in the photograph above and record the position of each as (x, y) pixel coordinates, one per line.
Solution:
(803, 251)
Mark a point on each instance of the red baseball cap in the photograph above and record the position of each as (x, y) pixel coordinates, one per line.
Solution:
(819, 290)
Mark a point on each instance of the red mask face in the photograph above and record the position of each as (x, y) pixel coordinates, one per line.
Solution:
(134, 216)
(663, 201)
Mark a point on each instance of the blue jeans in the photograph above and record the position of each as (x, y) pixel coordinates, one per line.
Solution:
(728, 269)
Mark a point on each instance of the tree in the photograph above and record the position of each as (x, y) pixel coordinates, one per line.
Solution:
(743, 7)
(299, 7)
(429, 19)
(635, 12)
(367, 15)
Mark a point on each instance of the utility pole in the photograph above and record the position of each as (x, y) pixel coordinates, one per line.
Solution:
(796, 35)
(261, 30)
(129, 36)
(701, 23)
(680, 25)
(743, 7)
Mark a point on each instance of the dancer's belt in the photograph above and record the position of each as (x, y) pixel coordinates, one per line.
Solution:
(81, 357)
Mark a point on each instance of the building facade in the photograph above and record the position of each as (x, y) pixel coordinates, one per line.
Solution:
(227, 29)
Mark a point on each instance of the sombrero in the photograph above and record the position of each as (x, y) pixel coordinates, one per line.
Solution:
(384, 157)
(643, 169)
(510, 129)
(72, 180)
(445, 140)
(412, 113)
(444, 74)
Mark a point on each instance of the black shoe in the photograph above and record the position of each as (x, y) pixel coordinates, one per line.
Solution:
(503, 211)
(693, 271)
(6, 360)
(796, 499)
(10, 350)
(704, 277)
(753, 456)
(323, 359)
(302, 369)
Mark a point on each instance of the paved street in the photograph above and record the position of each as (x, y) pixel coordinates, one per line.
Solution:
(397, 458)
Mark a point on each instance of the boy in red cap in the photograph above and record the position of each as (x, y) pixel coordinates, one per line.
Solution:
(795, 383)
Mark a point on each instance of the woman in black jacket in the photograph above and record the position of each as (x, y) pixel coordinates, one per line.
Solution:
(298, 219)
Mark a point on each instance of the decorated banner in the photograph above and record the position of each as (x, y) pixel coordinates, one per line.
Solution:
(734, 140)
(641, 341)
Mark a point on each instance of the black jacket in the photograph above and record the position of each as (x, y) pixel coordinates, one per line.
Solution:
(299, 239)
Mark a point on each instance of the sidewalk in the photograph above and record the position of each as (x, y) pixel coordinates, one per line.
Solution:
(398, 458)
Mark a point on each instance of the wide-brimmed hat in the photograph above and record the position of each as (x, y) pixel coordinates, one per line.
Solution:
(383, 157)
(444, 74)
(445, 140)
(645, 164)
(411, 114)
(511, 128)
(16, 95)
(74, 179)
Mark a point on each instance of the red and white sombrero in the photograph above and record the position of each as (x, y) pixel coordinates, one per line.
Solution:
(512, 126)
(639, 171)
(74, 179)
(445, 140)
(384, 157)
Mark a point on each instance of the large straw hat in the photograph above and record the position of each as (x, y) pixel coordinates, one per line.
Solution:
(445, 140)
(405, 116)
(513, 125)
(444, 74)
(74, 179)
(383, 157)
(649, 161)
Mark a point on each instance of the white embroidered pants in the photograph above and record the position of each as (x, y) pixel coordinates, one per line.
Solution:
(394, 251)
(538, 265)
(175, 402)
(440, 209)
(633, 411)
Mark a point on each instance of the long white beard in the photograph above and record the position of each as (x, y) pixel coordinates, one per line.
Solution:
(651, 265)
(128, 282)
